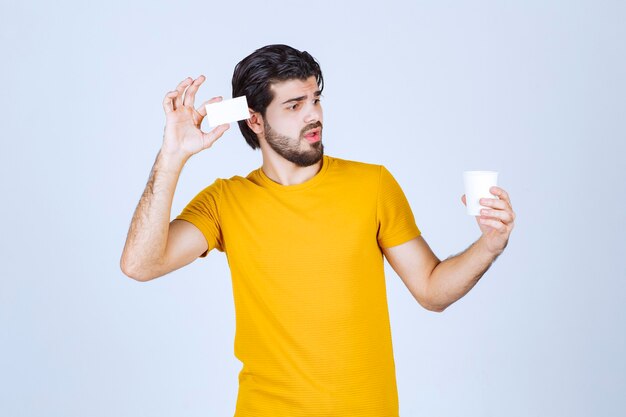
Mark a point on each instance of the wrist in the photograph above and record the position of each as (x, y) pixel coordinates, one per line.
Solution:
(487, 247)
(171, 159)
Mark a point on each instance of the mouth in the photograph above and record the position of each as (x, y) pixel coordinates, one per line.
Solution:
(313, 135)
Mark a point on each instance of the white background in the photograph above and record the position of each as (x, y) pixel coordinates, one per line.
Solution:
(534, 90)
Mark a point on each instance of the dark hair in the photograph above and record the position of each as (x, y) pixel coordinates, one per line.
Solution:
(255, 74)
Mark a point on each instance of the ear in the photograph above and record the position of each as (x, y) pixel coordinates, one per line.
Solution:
(255, 122)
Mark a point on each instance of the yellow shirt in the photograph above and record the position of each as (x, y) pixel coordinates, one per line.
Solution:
(312, 322)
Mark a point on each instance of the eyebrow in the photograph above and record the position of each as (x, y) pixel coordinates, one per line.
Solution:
(316, 94)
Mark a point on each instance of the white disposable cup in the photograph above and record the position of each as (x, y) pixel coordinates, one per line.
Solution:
(477, 185)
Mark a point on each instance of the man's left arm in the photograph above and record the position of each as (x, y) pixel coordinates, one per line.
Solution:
(438, 284)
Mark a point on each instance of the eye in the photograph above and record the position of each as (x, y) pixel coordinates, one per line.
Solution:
(294, 106)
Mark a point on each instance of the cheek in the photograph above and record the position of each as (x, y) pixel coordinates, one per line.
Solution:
(289, 128)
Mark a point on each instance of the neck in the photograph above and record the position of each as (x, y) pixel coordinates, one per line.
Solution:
(284, 172)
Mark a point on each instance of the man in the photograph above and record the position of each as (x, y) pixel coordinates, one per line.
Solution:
(305, 236)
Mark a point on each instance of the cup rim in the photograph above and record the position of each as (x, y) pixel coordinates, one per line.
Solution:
(479, 172)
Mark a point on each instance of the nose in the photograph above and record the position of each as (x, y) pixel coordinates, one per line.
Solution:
(314, 114)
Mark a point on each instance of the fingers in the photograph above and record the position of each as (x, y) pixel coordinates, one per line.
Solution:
(209, 138)
(501, 206)
(496, 224)
(168, 101)
(492, 202)
(190, 94)
(174, 99)
(503, 195)
(502, 215)
(502, 202)
(178, 101)
(202, 109)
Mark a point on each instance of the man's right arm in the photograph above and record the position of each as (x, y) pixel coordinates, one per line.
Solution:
(154, 245)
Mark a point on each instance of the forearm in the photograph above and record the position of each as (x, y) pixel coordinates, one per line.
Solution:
(456, 276)
(148, 232)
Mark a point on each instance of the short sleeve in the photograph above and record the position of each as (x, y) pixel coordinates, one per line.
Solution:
(203, 212)
(396, 223)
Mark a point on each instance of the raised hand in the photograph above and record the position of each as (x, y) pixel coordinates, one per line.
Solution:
(183, 136)
(497, 223)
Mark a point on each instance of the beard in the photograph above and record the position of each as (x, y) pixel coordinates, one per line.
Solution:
(289, 148)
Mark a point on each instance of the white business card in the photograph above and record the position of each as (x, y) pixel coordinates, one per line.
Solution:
(227, 111)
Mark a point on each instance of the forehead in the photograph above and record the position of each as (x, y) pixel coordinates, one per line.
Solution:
(285, 90)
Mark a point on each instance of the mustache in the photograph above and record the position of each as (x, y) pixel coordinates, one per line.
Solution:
(311, 126)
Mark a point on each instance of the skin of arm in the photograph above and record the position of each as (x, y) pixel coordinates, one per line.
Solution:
(435, 284)
(457, 275)
(153, 247)
(414, 261)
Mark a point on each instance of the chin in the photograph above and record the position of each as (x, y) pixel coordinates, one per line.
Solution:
(306, 160)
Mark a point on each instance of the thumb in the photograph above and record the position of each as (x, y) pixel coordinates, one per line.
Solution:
(202, 108)
(463, 200)
(209, 138)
